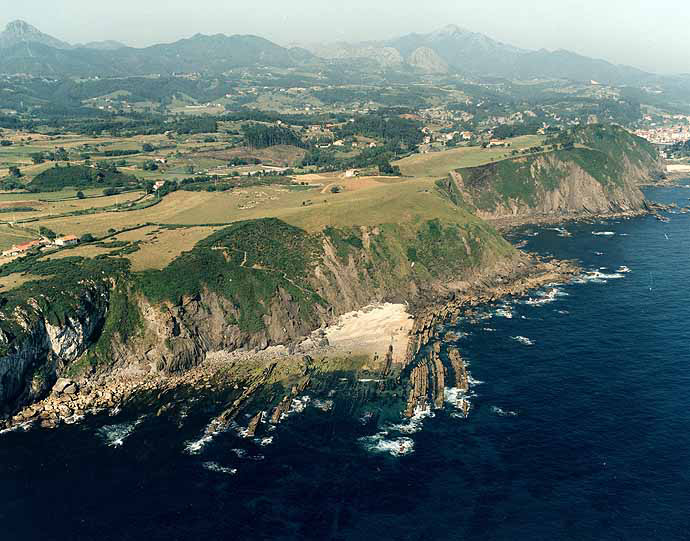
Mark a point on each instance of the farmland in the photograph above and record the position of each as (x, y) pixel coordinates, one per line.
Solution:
(151, 230)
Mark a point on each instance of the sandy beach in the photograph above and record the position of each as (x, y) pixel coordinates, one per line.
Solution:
(372, 330)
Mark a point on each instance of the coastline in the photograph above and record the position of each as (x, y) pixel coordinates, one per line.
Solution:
(350, 344)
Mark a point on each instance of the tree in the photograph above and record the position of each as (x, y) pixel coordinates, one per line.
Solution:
(147, 147)
(110, 191)
(190, 169)
(80, 195)
(15, 171)
(148, 185)
(87, 237)
(385, 168)
(61, 155)
(5, 143)
(48, 233)
(37, 158)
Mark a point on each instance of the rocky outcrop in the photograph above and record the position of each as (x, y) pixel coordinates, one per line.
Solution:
(597, 172)
(38, 349)
(427, 60)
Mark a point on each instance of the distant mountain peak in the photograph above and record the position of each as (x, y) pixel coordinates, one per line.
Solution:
(20, 31)
(451, 29)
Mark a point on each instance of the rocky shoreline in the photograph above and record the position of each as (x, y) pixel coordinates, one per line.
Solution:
(244, 372)
(429, 375)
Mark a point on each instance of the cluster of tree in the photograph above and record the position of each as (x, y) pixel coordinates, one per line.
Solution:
(263, 136)
(78, 176)
(271, 117)
(506, 131)
(242, 161)
(59, 155)
(396, 132)
(327, 160)
(149, 165)
(114, 153)
(196, 124)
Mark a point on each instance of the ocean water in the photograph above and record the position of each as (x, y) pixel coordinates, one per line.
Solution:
(579, 428)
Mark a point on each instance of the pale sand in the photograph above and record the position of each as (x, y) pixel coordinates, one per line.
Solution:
(372, 330)
(678, 168)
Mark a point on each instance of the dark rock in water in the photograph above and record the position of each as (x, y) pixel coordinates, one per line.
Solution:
(254, 424)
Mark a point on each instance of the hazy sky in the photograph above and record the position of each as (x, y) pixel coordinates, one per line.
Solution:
(650, 34)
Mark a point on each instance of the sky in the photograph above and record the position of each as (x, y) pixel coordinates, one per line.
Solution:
(649, 34)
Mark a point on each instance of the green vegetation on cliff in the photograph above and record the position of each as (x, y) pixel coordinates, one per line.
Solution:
(608, 154)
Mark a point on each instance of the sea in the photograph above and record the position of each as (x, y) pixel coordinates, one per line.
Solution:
(579, 428)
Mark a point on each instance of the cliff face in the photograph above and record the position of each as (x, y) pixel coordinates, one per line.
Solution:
(252, 285)
(37, 348)
(595, 170)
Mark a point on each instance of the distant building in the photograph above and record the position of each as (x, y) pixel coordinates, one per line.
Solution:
(22, 248)
(69, 240)
(158, 185)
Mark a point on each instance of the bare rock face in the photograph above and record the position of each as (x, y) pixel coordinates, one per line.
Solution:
(42, 348)
(427, 60)
(61, 384)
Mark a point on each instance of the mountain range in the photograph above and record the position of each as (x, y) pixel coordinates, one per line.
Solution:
(25, 49)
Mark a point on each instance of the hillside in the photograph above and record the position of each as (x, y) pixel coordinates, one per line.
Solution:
(158, 288)
(597, 169)
(254, 284)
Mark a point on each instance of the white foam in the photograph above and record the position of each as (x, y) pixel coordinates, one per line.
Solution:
(503, 413)
(195, 447)
(323, 405)
(546, 297)
(378, 444)
(504, 312)
(240, 453)
(414, 423)
(115, 435)
(73, 419)
(298, 405)
(473, 381)
(523, 340)
(25, 426)
(215, 467)
(597, 277)
(603, 233)
(264, 442)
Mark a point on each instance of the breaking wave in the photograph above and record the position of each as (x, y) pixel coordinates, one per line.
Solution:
(379, 444)
(215, 467)
(503, 413)
(115, 435)
(523, 340)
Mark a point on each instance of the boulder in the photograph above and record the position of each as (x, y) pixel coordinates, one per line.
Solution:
(61, 384)
(71, 389)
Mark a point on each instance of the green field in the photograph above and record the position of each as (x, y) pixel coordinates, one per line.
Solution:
(439, 164)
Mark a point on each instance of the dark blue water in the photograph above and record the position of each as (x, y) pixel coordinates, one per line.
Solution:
(585, 434)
